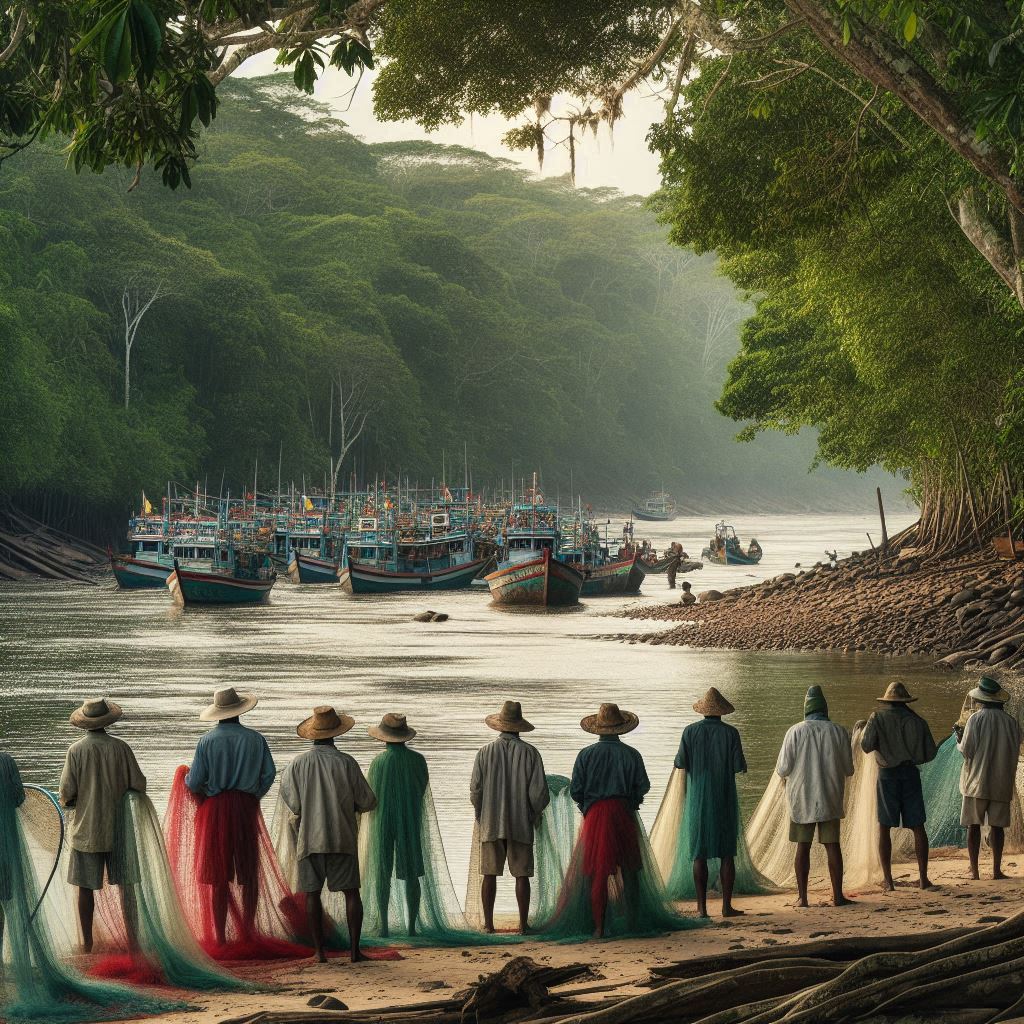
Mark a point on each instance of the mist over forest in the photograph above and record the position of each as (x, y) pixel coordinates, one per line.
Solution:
(314, 297)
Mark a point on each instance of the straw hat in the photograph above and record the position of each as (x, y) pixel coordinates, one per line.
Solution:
(896, 693)
(713, 704)
(509, 718)
(392, 729)
(325, 723)
(989, 691)
(228, 703)
(610, 721)
(96, 714)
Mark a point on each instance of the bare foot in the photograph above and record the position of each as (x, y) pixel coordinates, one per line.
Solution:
(801, 902)
(525, 930)
(974, 873)
(732, 912)
(358, 956)
(844, 901)
(998, 876)
(598, 935)
(488, 929)
(927, 884)
(320, 956)
(888, 885)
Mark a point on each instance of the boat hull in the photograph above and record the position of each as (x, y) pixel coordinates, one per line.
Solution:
(729, 558)
(137, 574)
(304, 569)
(654, 517)
(188, 587)
(368, 579)
(544, 582)
(623, 577)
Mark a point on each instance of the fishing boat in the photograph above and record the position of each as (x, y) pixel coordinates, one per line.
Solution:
(658, 508)
(530, 573)
(605, 573)
(243, 573)
(725, 548)
(156, 541)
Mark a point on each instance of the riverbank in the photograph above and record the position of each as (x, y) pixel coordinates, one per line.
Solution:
(958, 610)
(624, 967)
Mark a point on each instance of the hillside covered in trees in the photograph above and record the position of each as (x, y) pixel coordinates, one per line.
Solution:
(319, 300)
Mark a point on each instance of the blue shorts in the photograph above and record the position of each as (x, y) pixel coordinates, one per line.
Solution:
(900, 800)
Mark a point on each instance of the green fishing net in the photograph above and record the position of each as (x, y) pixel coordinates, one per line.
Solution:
(940, 784)
(34, 985)
(689, 813)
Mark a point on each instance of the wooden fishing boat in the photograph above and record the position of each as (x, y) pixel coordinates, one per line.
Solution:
(138, 573)
(620, 577)
(658, 508)
(359, 578)
(725, 548)
(541, 581)
(249, 585)
(308, 569)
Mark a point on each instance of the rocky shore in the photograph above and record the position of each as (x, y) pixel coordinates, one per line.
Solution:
(960, 611)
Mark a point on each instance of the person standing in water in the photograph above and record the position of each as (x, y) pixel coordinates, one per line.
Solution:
(711, 754)
(900, 741)
(509, 791)
(324, 789)
(609, 783)
(232, 770)
(990, 743)
(816, 759)
(98, 771)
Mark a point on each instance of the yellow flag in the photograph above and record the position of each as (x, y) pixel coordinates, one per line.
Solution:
(147, 508)
(309, 505)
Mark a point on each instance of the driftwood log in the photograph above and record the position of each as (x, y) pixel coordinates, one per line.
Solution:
(28, 547)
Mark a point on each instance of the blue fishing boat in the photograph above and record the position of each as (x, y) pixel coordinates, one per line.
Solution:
(658, 508)
(156, 541)
(725, 548)
(605, 572)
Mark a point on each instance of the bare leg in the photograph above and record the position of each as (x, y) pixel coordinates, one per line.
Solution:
(728, 876)
(700, 882)
(802, 867)
(1, 933)
(885, 856)
(250, 896)
(921, 852)
(130, 909)
(631, 887)
(354, 916)
(384, 900)
(86, 907)
(835, 873)
(488, 894)
(220, 912)
(974, 849)
(412, 899)
(523, 901)
(315, 920)
(996, 839)
(599, 903)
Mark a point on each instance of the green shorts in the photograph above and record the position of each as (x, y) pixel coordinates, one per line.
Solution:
(86, 870)
(828, 831)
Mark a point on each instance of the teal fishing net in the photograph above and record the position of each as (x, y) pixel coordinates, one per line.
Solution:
(940, 784)
(34, 985)
(692, 817)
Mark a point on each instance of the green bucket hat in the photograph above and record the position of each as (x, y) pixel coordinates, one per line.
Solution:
(815, 702)
(990, 691)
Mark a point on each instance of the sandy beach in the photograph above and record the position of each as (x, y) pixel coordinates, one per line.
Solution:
(622, 967)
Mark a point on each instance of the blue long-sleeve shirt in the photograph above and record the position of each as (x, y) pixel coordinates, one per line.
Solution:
(230, 756)
(607, 769)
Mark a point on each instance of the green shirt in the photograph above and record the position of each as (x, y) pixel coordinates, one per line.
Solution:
(606, 769)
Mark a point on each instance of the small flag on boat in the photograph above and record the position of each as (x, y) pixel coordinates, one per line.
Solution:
(309, 504)
(446, 494)
(147, 508)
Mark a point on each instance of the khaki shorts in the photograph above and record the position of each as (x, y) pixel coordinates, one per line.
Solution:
(828, 831)
(339, 870)
(519, 857)
(975, 810)
(85, 870)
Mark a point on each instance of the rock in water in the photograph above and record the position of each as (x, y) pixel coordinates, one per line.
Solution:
(424, 617)
(439, 617)
(710, 595)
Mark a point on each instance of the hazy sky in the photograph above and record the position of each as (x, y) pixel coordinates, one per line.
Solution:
(621, 159)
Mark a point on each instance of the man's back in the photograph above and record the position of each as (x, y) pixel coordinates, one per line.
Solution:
(230, 756)
(991, 747)
(508, 789)
(710, 745)
(99, 770)
(609, 769)
(815, 760)
(897, 735)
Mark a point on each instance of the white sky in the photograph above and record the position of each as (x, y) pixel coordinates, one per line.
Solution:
(621, 160)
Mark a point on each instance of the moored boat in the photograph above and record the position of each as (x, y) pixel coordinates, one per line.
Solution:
(243, 576)
(544, 581)
(360, 578)
(725, 548)
(138, 573)
(658, 508)
(620, 577)
(308, 569)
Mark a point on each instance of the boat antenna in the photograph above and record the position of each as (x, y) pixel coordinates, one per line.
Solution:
(280, 455)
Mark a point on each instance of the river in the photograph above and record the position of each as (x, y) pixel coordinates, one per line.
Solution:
(60, 643)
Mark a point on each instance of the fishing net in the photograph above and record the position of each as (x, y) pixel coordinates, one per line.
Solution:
(159, 947)
(689, 812)
(612, 859)
(553, 844)
(33, 984)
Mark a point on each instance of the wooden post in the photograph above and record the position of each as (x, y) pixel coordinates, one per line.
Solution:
(881, 515)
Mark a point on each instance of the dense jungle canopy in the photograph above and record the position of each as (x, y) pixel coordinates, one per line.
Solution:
(444, 296)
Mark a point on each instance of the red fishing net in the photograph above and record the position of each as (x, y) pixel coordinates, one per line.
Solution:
(611, 844)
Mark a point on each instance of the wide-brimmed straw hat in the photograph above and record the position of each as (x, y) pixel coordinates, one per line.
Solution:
(509, 718)
(96, 714)
(990, 691)
(325, 723)
(610, 720)
(392, 729)
(896, 693)
(228, 703)
(713, 704)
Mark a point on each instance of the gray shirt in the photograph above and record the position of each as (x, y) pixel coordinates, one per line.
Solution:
(896, 736)
(508, 789)
(324, 789)
(99, 770)
(990, 745)
(815, 760)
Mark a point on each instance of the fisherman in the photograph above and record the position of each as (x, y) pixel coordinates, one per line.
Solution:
(324, 789)
(687, 598)
(900, 741)
(816, 759)
(98, 771)
(676, 549)
(711, 754)
(509, 792)
(990, 743)
(609, 783)
(399, 778)
(12, 796)
(232, 770)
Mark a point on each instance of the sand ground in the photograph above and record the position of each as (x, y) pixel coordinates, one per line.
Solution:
(429, 974)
